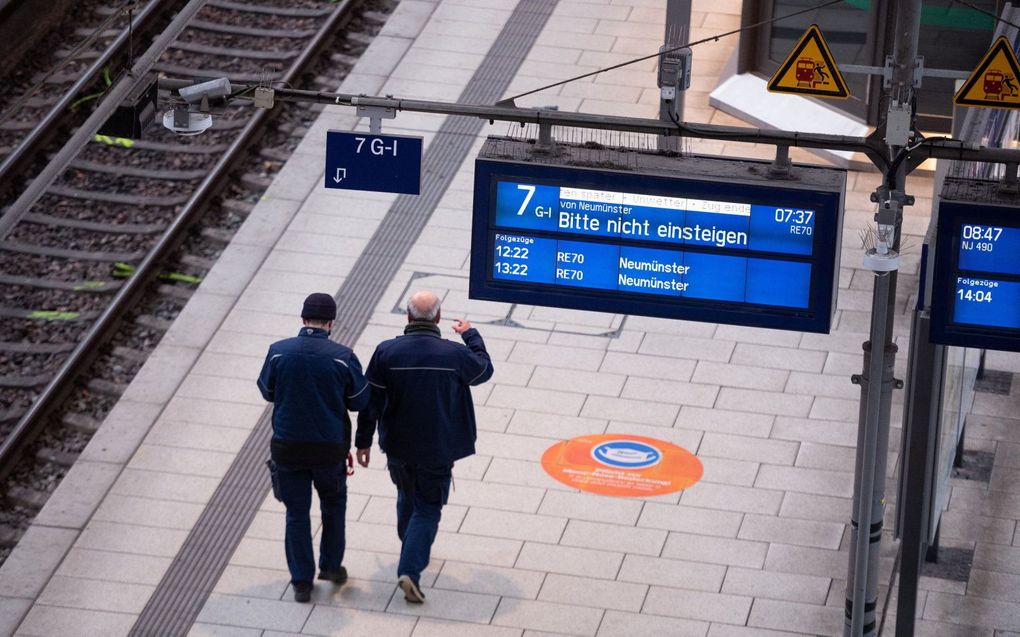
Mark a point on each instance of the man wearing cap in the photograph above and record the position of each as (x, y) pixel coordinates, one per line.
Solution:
(421, 401)
(312, 383)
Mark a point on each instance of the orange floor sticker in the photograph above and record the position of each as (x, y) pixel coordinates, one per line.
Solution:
(622, 465)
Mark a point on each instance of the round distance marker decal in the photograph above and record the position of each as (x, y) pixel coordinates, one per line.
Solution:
(622, 465)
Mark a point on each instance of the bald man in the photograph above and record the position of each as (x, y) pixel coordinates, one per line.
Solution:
(421, 402)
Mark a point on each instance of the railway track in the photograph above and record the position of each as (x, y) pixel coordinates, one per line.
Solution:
(97, 262)
(53, 87)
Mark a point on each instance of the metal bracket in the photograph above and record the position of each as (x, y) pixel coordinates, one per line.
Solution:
(375, 115)
(887, 72)
(1009, 184)
(545, 138)
(918, 70)
(780, 166)
(882, 193)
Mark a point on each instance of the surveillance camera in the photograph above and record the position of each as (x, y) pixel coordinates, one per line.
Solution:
(213, 89)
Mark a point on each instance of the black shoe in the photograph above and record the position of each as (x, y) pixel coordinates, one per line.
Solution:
(338, 576)
(412, 593)
(302, 592)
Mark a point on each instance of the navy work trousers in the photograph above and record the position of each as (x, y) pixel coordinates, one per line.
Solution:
(296, 493)
(421, 493)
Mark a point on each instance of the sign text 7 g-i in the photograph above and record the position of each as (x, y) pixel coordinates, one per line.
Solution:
(378, 163)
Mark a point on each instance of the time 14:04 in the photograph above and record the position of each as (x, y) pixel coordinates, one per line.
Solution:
(979, 296)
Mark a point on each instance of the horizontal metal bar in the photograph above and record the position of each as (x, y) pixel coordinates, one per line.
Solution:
(875, 149)
(947, 73)
(861, 69)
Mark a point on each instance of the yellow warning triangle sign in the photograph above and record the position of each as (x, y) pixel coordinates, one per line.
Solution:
(994, 83)
(810, 70)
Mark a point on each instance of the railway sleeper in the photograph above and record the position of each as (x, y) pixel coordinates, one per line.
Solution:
(256, 182)
(325, 83)
(175, 291)
(238, 207)
(232, 29)
(36, 348)
(107, 387)
(88, 32)
(80, 422)
(27, 497)
(130, 354)
(217, 234)
(195, 261)
(357, 37)
(375, 16)
(13, 414)
(16, 126)
(280, 11)
(244, 54)
(292, 130)
(25, 382)
(93, 226)
(274, 154)
(58, 457)
(153, 322)
(57, 284)
(344, 59)
(9, 536)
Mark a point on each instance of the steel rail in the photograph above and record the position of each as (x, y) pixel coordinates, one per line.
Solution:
(34, 420)
(28, 147)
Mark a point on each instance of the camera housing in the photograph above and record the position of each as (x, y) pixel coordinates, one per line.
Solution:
(194, 117)
(212, 90)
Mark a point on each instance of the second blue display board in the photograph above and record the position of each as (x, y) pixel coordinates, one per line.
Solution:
(741, 251)
(976, 291)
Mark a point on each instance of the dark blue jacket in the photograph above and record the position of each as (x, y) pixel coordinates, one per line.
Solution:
(421, 395)
(312, 382)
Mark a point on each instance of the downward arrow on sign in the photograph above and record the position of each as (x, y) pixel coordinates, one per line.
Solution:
(340, 174)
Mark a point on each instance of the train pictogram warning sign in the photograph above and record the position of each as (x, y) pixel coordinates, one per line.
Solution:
(810, 70)
(994, 83)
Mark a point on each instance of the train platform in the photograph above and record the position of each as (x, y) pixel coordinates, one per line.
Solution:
(166, 526)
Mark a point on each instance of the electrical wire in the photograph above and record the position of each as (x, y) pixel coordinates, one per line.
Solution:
(904, 153)
(711, 38)
(989, 14)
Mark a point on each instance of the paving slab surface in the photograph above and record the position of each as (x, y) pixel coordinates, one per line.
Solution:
(758, 547)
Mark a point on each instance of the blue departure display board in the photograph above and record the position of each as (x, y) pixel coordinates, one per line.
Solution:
(976, 290)
(740, 251)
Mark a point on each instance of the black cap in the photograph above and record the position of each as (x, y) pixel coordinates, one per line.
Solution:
(319, 307)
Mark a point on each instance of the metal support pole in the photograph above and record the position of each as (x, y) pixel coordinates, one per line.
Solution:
(678, 27)
(868, 511)
(918, 458)
(876, 401)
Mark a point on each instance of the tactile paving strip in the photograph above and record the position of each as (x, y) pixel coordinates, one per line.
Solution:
(182, 593)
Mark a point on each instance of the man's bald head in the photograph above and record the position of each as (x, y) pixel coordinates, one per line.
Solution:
(423, 306)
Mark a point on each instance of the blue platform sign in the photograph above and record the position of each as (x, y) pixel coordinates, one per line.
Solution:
(976, 283)
(703, 239)
(378, 163)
